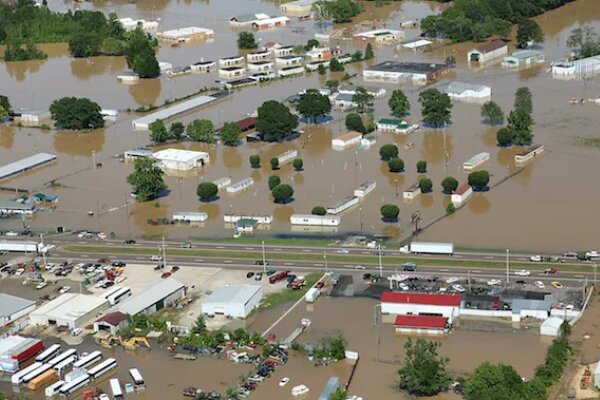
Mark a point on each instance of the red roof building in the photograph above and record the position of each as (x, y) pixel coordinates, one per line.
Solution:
(449, 300)
(421, 321)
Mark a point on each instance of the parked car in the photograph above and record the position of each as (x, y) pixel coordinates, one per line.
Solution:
(156, 258)
(186, 245)
(522, 272)
(550, 271)
(64, 289)
(129, 241)
(452, 279)
(536, 258)
(493, 282)
(271, 272)
(408, 266)
(459, 288)
(249, 275)
(41, 285)
(165, 275)
(520, 282)
(403, 286)
(539, 284)
(261, 262)
(556, 285)
(284, 381)
(359, 267)
(258, 276)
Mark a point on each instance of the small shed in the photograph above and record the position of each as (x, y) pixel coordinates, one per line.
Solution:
(111, 322)
(488, 51)
(551, 327)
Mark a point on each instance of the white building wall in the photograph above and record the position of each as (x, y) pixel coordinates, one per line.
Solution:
(416, 309)
(19, 314)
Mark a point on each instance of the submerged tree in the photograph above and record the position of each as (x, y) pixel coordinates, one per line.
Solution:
(424, 372)
(146, 179)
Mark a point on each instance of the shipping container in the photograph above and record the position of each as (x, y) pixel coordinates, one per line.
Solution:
(431, 248)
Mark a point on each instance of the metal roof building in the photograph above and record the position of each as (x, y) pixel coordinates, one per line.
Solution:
(72, 310)
(144, 122)
(234, 300)
(25, 164)
(153, 299)
(460, 90)
(13, 308)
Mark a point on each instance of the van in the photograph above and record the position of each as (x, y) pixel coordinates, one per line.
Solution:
(408, 266)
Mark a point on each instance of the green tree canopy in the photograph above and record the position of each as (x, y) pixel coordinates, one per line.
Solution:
(85, 44)
(492, 113)
(275, 120)
(199, 327)
(318, 210)
(76, 113)
(274, 181)
(335, 65)
(246, 40)
(230, 133)
(206, 191)
(389, 212)
(5, 103)
(524, 100)
(274, 163)
(201, 130)
(254, 161)
(421, 166)
(339, 10)
(425, 185)
(354, 123)
(298, 164)
(585, 40)
(369, 52)
(146, 179)
(158, 131)
(396, 165)
(282, 193)
(3, 114)
(321, 69)
(504, 137)
(313, 104)
(176, 130)
(435, 107)
(388, 151)
(146, 65)
(519, 125)
(398, 103)
(337, 347)
(495, 382)
(339, 394)
(528, 31)
(362, 99)
(479, 180)
(449, 184)
(424, 372)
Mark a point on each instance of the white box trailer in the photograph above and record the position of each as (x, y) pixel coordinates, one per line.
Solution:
(431, 248)
(311, 295)
(24, 247)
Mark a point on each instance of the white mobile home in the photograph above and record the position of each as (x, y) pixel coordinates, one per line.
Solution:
(231, 72)
(576, 69)
(523, 58)
(190, 217)
(240, 185)
(260, 66)
(203, 67)
(186, 34)
(315, 220)
(476, 161)
(343, 205)
(288, 61)
(222, 183)
(529, 153)
(380, 36)
(461, 194)
(365, 188)
(287, 157)
(290, 71)
(462, 90)
(347, 139)
(261, 219)
(235, 61)
(412, 192)
(263, 55)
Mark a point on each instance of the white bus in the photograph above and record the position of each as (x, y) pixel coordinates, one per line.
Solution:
(88, 360)
(74, 385)
(115, 387)
(119, 296)
(48, 354)
(18, 377)
(63, 356)
(36, 372)
(53, 389)
(110, 292)
(64, 364)
(102, 368)
(138, 380)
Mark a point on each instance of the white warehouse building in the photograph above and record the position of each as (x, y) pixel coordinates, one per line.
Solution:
(72, 310)
(181, 160)
(158, 296)
(233, 301)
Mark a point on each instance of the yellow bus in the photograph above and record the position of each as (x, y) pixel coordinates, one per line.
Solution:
(43, 380)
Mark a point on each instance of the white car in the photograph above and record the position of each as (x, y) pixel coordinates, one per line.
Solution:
(452, 279)
(589, 254)
(102, 235)
(20, 271)
(41, 285)
(493, 282)
(361, 267)
(539, 284)
(459, 288)
(99, 284)
(284, 381)
(403, 286)
(103, 396)
(343, 251)
(81, 235)
(156, 258)
(49, 266)
(522, 272)
(12, 233)
(64, 289)
(537, 258)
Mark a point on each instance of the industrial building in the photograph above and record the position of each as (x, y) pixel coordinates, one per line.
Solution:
(180, 160)
(233, 301)
(72, 310)
(523, 58)
(315, 220)
(158, 296)
(298, 7)
(26, 164)
(411, 303)
(189, 217)
(143, 123)
(487, 52)
(8, 207)
(12, 309)
(15, 350)
(395, 126)
(581, 68)
(462, 90)
(551, 327)
(32, 117)
(380, 36)
(410, 71)
(186, 34)
(130, 24)
(112, 322)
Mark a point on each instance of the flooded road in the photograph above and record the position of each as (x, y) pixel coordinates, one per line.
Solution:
(515, 211)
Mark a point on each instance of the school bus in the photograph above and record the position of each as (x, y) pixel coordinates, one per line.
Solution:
(43, 380)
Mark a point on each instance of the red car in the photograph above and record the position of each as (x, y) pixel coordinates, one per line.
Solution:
(550, 271)
(320, 284)
(165, 275)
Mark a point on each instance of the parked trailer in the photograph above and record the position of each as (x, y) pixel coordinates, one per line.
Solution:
(137, 378)
(65, 363)
(311, 295)
(51, 390)
(43, 380)
(115, 387)
(102, 368)
(63, 356)
(73, 386)
(49, 353)
(18, 377)
(88, 360)
(24, 247)
(36, 372)
(431, 248)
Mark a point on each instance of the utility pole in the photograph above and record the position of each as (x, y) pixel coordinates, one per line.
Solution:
(264, 258)
(325, 259)
(507, 267)
(164, 253)
(595, 266)
(469, 279)
(43, 249)
(380, 266)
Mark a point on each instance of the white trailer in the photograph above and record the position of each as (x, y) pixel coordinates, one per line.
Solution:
(431, 248)
(311, 295)
(315, 220)
(25, 247)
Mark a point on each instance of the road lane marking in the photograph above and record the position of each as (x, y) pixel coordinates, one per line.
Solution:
(306, 250)
(579, 276)
(139, 258)
(220, 247)
(521, 259)
(199, 260)
(444, 270)
(82, 242)
(288, 264)
(318, 265)
(365, 252)
(458, 256)
(279, 249)
(488, 257)
(477, 272)
(247, 248)
(228, 261)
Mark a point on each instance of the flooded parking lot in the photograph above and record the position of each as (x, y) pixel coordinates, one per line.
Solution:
(515, 211)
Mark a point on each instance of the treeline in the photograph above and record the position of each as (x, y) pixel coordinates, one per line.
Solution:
(479, 19)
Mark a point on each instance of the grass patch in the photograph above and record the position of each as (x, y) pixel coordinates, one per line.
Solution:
(273, 299)
(591, 142)
(289, 242)
(345, 259)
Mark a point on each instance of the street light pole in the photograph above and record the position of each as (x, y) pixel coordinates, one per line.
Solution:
(380, 266)
(264, 258)
(164, 253)
(325, 259)
(507, 267)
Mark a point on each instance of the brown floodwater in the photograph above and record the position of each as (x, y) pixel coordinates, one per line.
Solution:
(515, 211)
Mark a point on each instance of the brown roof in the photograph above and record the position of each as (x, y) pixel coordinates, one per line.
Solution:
(491, 46)
(348, 135)
(529, 150)
(462, 188)
(114, 318)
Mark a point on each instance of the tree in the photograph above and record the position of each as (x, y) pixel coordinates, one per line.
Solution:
(318, 210)
(450, 61)
(3, 114)
(337, 347)
(389, 212)
(230, 133)
(76, 113)
(519, 125)
(112, 47)
(339, 10)
(449, 184)
(335, 65)
(313, 104)
(146, 179)
(354, 123)
(585, 40)
(158, 131)
(362, 99)
(274, 163)
(282, 193)
(425, 185)
(398, 103)
(199, 327)
(435, 107)
(207, 191)
(492, 113)
(5, 103)
(422, 166)
(504, 137)
(275, 120)
(298, 164)
(246, 40)
(369, 52)
(332, 84)
(339, 394)
(274, 181)
(146, 65)
(201, 130)
(388, 151)
(528, 31)
(321, 69)
(495, 382)
(523, 100)
(479, 180)
(85, 44)
(311, 43)
(357, 56)
(254, 161)
(396, 165)
(450, 209)
(176, 130)
(424, 372)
